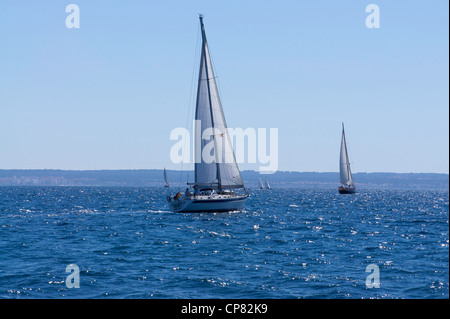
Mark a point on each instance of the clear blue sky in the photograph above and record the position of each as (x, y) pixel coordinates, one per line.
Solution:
(107, 95)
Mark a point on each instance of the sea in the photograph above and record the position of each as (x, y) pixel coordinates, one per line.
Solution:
(123, 242)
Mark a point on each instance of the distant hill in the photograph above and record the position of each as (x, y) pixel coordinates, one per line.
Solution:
(154, 177)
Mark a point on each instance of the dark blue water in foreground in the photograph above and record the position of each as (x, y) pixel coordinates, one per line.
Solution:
(288, 243)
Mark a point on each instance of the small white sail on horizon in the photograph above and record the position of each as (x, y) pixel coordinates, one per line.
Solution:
(260, 184)
(166, 181)
(267, 184)
(346, 177)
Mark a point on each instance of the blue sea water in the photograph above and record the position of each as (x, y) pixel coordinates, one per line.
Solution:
(288, 243)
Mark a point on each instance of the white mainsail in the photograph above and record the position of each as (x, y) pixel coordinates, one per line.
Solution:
(267, 184)
(260, 184)
(166, 181)
(216, 165)
(344, 163)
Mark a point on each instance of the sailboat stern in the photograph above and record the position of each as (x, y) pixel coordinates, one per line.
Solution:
(347, 190)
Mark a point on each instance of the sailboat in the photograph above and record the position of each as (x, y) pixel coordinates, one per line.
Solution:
(260, 184)
(217, 180)
(348, 186)
(166, 181)
(267, 184)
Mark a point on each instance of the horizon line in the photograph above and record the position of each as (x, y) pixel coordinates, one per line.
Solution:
(182, 170)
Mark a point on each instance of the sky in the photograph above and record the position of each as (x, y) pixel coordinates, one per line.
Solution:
(108, 94)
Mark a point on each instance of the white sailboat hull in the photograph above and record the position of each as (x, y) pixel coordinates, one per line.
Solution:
(208, 204)
(347, 190)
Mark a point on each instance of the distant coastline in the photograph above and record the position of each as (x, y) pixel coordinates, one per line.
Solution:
(154, 177)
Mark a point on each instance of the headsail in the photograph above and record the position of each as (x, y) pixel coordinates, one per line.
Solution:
(216, 165)
(344, 163)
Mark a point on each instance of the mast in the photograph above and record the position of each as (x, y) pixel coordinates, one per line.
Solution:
(210, 102)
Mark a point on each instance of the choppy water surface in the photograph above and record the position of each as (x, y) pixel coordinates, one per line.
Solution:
(288, 243)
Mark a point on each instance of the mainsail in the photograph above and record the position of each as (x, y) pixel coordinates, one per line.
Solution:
(215, 163)
(166, 181)
(344, 163)
(267, 184)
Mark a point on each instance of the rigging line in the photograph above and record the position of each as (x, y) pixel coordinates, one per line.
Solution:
(210, 78)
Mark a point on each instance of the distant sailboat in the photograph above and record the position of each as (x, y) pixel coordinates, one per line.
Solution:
(216, 180)
(261, 186)
(267, 184)
(348, 186)
(166, 181)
